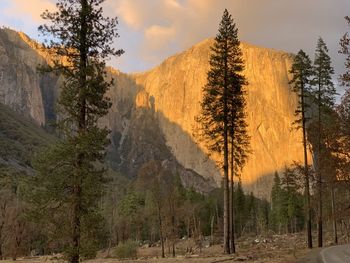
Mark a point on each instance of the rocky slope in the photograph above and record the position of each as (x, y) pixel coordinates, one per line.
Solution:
(22, 87)
(20, 139)
(153, 113)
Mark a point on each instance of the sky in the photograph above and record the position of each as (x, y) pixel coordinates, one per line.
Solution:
(152, 30)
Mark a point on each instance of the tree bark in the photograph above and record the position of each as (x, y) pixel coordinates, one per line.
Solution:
(232, 222)
(77, 190)
(161, 231)
(212, 231)
(307, 183)
(2, 225)
(319, 173)
(335, 232)
(226, 183)
(173, 233)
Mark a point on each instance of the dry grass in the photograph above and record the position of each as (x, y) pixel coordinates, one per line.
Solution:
(275, 249)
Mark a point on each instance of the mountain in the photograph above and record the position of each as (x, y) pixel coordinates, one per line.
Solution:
(176, 89)
(153, 113)
(20, 139)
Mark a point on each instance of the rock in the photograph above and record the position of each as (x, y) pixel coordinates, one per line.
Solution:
(153, 113)
(241, 258)
(22, 87)
(35, 252)
(176, 86)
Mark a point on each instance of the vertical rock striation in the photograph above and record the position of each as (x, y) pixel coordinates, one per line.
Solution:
(153, 113)
(176, 86)
(22, 87)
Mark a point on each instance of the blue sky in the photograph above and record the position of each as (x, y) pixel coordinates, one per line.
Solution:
(152, 30)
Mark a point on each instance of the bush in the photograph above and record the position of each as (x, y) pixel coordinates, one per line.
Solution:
(127, 250)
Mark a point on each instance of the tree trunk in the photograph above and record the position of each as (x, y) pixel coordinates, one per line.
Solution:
(335, 232)
(307, 183)
(320, 222)
(319, 172)
(81, 130)
(226, 183)
(173, 233)
(226, 213)
(161, 231)
(76, 225)
(232, 222)
(212, 231)
(3, 214)
(217, 217)
(195, 229)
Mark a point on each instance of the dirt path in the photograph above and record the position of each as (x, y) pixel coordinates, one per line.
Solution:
(311, 256)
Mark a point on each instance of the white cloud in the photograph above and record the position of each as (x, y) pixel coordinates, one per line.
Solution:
(159, 36)
(33, 8)
(173, 3)
(152, 30)
(130, 13)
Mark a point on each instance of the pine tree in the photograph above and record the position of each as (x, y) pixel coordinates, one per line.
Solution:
(344, 108)
(290, 188)
(276, 202)
(324, 93)
(240, 204)
(70, 174)
(251, 211)
(302, 73)
(239, 147)
(342, 142)
(224, 87)
(345, 50)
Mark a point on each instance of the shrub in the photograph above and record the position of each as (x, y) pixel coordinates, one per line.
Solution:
(127, 250)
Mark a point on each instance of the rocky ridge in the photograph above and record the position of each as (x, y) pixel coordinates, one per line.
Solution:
(153, 113)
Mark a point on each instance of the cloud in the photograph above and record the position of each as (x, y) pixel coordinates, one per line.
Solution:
(286, 25)
(159, 36)
(152, 30)
(33, 8)
(173, 3)
(130, 13)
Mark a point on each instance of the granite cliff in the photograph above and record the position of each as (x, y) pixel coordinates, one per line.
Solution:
(176, 90)
(153, 113)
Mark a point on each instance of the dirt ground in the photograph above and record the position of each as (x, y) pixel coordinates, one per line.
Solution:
(275, 249)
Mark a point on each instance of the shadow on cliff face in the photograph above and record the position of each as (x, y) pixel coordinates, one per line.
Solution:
(189, 177)
(262, 186)
(137, 136)
(140, 133)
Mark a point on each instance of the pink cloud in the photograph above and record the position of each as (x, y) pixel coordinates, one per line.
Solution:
(33, 8)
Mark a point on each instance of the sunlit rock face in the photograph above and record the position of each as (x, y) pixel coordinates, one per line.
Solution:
(153, 113)
(176, 88)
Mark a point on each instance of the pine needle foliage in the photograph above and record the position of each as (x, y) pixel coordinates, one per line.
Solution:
(222, 114)
(70, 175)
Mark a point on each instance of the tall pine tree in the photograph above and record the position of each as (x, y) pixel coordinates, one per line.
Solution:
(344, 108)
(277, 203)
(239, 146)
(302, 74)
(324, 94)
(345, 50)
(70, 174)
(220, 105)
